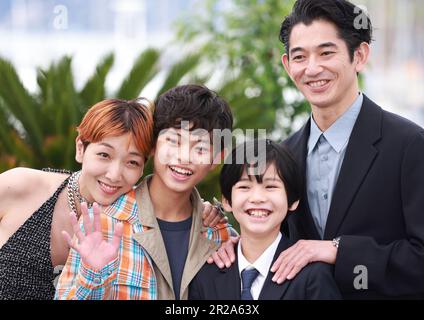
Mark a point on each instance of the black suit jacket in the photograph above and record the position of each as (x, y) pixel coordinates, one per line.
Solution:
(377, 206)
(316, 281)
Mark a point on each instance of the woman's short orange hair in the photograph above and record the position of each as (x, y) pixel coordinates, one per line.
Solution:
(115, 117)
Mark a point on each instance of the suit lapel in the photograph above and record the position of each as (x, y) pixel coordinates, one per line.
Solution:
(228, 286)
(300, 151)
(360, 155)
(271, 290)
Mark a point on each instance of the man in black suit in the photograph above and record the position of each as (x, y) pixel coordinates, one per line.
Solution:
(260, 201)
(362, 207)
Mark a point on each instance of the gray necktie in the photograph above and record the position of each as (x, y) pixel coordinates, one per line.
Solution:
(247, 278)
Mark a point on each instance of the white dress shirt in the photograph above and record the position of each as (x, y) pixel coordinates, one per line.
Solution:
(262, 264)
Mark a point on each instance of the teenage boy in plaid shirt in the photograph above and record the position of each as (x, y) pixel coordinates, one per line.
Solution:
(150, 243)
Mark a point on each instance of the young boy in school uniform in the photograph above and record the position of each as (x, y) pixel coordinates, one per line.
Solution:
(260, 197)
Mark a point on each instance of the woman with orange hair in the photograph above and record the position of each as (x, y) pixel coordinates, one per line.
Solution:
(113, 143)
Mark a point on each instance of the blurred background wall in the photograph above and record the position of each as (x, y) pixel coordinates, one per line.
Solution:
(395, 77)
(30, 37)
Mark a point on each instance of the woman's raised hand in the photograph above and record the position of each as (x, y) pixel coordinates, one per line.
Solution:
(95, 251)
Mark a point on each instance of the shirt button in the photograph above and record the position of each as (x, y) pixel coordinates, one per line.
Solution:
(325, 196)
(97, 280)
(324, 158)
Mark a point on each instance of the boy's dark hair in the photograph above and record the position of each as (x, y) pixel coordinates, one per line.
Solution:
(193, 103)
(277, 154)
(340, 12)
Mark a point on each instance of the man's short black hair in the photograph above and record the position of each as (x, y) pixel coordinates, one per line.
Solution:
(353, 25)
(277, 154)
(194, 103)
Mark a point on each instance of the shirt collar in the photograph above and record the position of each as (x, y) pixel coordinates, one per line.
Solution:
(263, 263)
(337, 135)
(313, 136)
(124, 208)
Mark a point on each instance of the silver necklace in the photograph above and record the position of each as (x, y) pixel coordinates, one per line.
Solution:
(74, 192)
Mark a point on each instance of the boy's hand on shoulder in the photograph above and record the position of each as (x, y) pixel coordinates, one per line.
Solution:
(292, 260)
(211, 215)
(225, 255)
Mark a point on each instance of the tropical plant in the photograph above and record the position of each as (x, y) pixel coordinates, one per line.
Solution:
(239, 43)
(241, 59)
(236, 52)
(38, 129)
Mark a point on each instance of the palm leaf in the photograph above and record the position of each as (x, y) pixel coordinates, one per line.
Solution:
(7, 145)
(143, 70)
(178, 71)
(94, 90)
(20, 104)
(58, 97)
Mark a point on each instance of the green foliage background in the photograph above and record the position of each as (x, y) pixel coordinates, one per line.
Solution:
(234, 49)
(241, 57)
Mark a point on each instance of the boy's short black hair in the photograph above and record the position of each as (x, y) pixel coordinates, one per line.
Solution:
(194, 103)
(353, 25)
(275, 153)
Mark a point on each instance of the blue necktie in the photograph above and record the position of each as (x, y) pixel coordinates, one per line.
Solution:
(247, 278)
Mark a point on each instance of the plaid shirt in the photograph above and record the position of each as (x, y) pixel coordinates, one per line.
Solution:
(131, 275)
